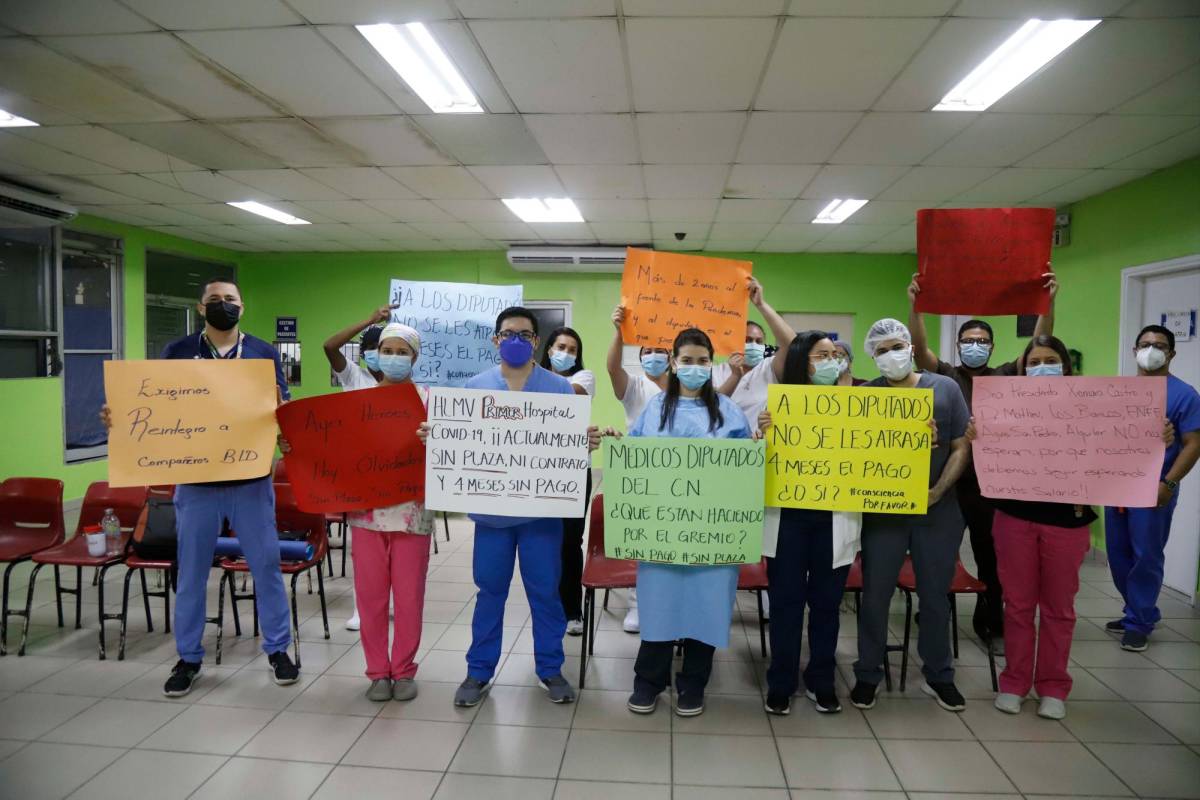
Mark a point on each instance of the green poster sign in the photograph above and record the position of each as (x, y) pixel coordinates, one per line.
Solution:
(684, 501)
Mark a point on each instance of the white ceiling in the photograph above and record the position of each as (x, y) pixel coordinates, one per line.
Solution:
(734, 121)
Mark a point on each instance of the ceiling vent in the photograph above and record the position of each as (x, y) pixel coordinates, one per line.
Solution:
(20, 208)
(567, 259)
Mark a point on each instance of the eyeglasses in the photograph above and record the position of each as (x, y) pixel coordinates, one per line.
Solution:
(527, 336)
(1162, 347)
(977, 340)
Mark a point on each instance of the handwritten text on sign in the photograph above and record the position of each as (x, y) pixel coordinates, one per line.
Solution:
(1070, 439)
(190, 421)
(665, 293)
(352, 451)
(849, 448)
(514, 454)
(683, 501)
(456, 322)
(983, 260)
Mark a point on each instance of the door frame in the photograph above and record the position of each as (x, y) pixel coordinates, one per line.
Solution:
(1133, 293)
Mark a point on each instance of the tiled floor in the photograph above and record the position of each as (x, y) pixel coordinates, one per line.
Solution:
(71, 725)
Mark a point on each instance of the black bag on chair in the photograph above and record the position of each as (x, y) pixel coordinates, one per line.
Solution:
(155, 538)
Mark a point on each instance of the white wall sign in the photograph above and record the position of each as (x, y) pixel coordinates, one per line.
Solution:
(1180, 323)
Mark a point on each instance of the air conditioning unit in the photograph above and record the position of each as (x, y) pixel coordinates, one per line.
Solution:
(567, 259)
(21, 208)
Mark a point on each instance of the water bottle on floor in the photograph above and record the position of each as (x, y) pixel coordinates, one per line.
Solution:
(112, 532)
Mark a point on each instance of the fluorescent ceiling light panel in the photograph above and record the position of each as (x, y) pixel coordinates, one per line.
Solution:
(838, 211)
(1034, 45)
(423, 64)
(8, 120)
(547, 209)
(269, 213)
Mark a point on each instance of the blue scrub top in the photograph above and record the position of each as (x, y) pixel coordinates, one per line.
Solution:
(1183, 409)
(688, 602)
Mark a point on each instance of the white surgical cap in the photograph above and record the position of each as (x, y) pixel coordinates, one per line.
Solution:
(398, 330)
(885, 329)
(845, 348)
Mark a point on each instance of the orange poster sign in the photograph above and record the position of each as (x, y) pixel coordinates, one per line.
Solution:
(190, 421)
(663, 293)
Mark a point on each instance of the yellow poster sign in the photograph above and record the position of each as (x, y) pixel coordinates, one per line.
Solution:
(190, 421)
(849, 448)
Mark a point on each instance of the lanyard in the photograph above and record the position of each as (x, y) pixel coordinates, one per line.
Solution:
(236, 351)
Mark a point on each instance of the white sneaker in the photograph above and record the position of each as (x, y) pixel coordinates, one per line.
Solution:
(1008, 703)
(574, 627)
(353, 624)
(1052, 708)
(632, 624)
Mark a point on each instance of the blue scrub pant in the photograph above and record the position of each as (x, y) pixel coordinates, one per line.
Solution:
(1135, 540)
(539, 543)
(199, 512)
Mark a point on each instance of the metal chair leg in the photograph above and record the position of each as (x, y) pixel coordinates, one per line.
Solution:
(762, 624)
(446, 523)
(125, 610)
(907, 639)
(954, 623)
(221, 609)
(583, 641)
(78, 598)
(58, 594)
(321, 594)
(28, 608)
(295, 621)
(145, 597)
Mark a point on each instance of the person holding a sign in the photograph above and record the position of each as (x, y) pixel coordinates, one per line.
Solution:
(692, 604)
(564, 356)
(975, 344)
(1136, 538)
(752, 372)
(932, 539)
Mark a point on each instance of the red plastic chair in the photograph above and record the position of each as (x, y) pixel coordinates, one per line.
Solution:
(31, 519)
(854, 585)
(599, 572)
(288, 517)
(127, 505)
(753, 578)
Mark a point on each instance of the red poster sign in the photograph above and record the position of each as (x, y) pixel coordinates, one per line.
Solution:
(353, 451)
(983, 260)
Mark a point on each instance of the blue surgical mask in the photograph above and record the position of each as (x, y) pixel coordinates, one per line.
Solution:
(654, 364)
(561, 360)
(1044, 370)
(395, 368)
(754, 353)
(693, 376)
(371, 357)
(515, 351)
(826, 372)
(974, 355)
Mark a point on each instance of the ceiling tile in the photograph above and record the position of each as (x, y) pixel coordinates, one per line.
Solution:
(294, 142)
(691, 180)
(354, 47)
(870, 8)
(388, 231)
(76, 190)
(294, 66)
(286, 184)
(145, 189)
(163, 66)
(345, 210)
(803, 212)
(1160, 8)
(879, 212)
(691, 65)
(1042, 9)
(903, 240)
(851, 180)
(998, 140)
(1093, 183)
(476, 210)
(41, 113)
(411, 210)
(714, 245)
(384, 141)
(197, 143)
(691, 244)
(585, 138)
(51, 17)
(528, 181)
(213, 186)
(361, 183)
(446, 230)
(769, 180)
(899, 138)
(599, 210)
(564, 232)
(356, 12)
(492, 9)
(741, 231)
(757, 211)
(701, 8)
(176, 15)
(936, 185)
(504, 231)
(689, 138)
(847, 233)
(588, 72)
(883, 246)
(440, 182)
(1108, 139)
(472, 244)
(104, 147)
(463, 50)
(33, 70)
(115, 216)
(160, 215)
(682, 210)
(696, 232)
(42, 158)
(804, 137)
(1179, 94)
(602, 180)
(216, 212)
(622, 232)
(1164, 154)
(483, 138)
(1017, 185)
(1116, 61)
(863, 55)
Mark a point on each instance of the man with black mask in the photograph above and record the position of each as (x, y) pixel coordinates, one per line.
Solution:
(248, 506)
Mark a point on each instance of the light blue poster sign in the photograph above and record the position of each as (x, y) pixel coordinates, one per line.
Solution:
(456, 322)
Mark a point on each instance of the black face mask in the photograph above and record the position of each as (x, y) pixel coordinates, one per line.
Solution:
(221, 314)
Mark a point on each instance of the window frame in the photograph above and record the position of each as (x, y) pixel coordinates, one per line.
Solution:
(51, 314)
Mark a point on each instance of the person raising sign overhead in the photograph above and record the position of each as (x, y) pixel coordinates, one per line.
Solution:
(750, 373)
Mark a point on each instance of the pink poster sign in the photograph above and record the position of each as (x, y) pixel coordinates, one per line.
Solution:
(1091, 441)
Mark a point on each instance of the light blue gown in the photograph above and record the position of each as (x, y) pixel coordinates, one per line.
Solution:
(681, 602)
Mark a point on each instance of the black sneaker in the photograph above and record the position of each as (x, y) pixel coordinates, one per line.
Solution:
(863, 695)
(642, 701)
(1134, 641)
(824, 700)
(1115, 625)
(778, 704)
(946, 694)
(285, 671)
(183, 678)
(689, 705)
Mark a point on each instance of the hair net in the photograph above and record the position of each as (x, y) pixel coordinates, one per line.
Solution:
(398, 330)
(885, 329)
(845, 348)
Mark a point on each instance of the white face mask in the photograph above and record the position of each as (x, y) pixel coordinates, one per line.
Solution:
(895, 364)
(1151, 358)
